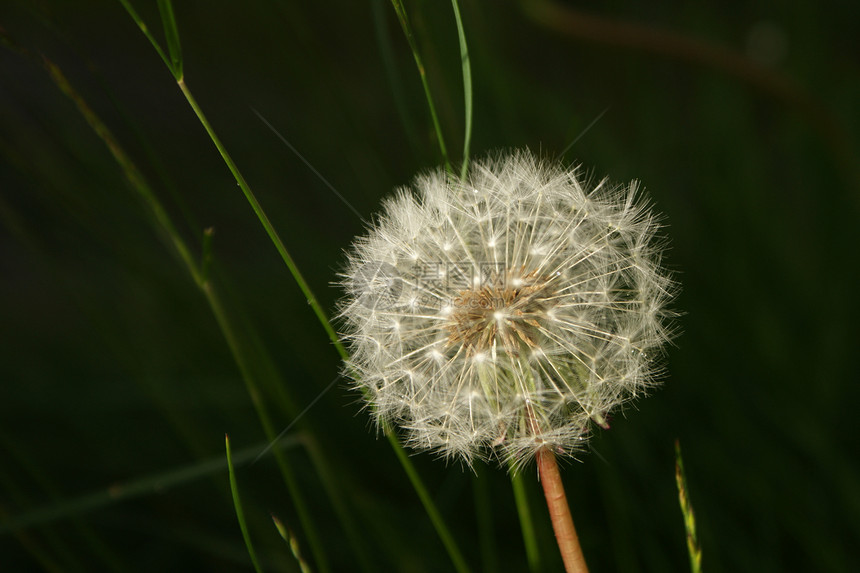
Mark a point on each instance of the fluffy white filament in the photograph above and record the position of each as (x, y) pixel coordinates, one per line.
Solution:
(509, 311)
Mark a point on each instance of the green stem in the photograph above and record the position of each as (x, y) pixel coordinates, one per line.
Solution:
(484, 512)
(407, 31)
(254, 392)
(526, 522)
(467, 88)
(148, 485)
(330, 483)
(433, 513)
(429, 506)
(145, 29)
(36, 477)
(163, 220)
(237, 504)
(264, 220)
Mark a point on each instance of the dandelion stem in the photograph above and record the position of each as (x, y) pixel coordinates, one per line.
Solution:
(559, 511)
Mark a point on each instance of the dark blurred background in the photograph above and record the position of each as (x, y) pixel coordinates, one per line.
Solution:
(740, 119)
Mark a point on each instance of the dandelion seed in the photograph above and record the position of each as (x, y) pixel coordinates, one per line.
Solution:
(528, 308)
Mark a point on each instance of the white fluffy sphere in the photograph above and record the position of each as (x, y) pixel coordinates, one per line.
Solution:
(506, 312)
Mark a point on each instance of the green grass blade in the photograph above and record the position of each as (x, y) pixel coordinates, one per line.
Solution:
(237, 503)
(132, 174)
(486, 536)
(392, 74)
(430, 507)
(171, 32)
(687, 510)
(407, 31)
(526, 522)
(48, 550)
(330, 483)
(164, 223)
(264, 220)
(240, 179)
(36, 550)
(467, 87)
(442, 529)
(148, 485)
(36, 477)
(257, 397)
(145, 29)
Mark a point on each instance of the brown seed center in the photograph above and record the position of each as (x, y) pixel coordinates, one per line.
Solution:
(510, 316)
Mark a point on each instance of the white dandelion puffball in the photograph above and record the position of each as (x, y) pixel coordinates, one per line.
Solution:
(505, 312)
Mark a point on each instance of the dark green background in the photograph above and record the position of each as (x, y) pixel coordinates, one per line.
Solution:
(112, 367)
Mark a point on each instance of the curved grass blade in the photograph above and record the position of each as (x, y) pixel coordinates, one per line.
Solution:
(145, 29)
(240, 179)
(237, 503)
(36, 477)
(429, 506)
(171, 32)
(526, 523)
(49, 551)
(414, 478)
(467, 87)
(407, 31)
(386, 51)
(148, 485)
(138, 182)
(264, 220)
(484, 513)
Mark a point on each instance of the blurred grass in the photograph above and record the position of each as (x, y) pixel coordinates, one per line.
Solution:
(113, 368)
(237, 504)
(687, 510)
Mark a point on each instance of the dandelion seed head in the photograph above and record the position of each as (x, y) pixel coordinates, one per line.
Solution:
(506, 312)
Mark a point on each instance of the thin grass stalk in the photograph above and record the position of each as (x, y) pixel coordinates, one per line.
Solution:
(140, 185)
(36, 551)
(264, 220)
(178, 73)
(410, 38)
(35, 476)
(526, 523)
(50, 551)
(148, 485)
(693, 548)
(237, 503)
(467, 88)
(386, 51)
(309, 529)
(486, 535)
(171, 34)
(447, 539)
(435, 517)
